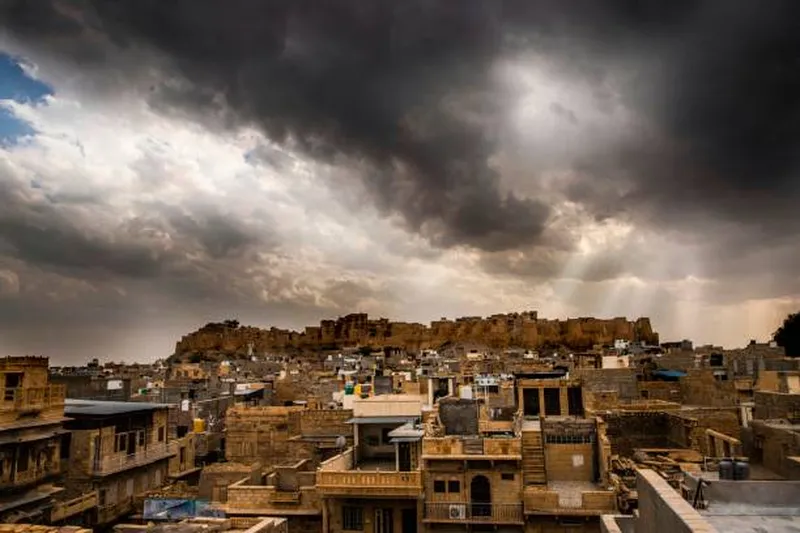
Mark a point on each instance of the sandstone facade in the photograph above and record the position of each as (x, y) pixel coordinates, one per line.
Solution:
(525, 330)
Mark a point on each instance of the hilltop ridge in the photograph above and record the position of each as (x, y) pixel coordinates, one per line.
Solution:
(520, 330)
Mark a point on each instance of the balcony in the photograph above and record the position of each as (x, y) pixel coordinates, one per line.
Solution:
(340, 476)
(62, 510)
(289, 490)
(458, 447)
(31, 399)
(119, 462)
(569, 498)
(466, 512)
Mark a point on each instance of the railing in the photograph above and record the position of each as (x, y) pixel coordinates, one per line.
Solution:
(592, 502)
(116, 463)
(371, 482)
(31, 398)
(497, 513)
(62, 510)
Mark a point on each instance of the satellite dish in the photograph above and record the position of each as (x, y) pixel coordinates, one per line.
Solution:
(341, 442)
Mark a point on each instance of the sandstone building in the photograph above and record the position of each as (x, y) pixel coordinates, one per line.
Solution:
(524, 330)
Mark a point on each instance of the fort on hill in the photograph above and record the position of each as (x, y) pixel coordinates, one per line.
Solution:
(519, 330)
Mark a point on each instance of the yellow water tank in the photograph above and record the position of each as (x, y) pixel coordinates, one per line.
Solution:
(357, 390)
(199, 425)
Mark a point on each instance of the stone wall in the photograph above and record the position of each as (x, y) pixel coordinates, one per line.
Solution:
(776, 444)
(776, 405)
(621, 380)
(699, 387)
(497, 331)
(323, 422)
(687, 428)
(260, 434)
(661, 508)
(627, 431)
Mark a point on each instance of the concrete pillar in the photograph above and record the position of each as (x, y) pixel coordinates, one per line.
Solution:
(397, 457)
(325, 516)
(450, 385)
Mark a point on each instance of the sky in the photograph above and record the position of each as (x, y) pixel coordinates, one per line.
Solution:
(167, 164)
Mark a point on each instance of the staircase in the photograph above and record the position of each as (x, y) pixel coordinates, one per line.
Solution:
(533, 458)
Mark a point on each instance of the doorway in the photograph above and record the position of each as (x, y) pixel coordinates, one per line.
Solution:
(404, 458)
(552, 402)
(530, 402)
(409, 518)
(480, 491)
(575, 401)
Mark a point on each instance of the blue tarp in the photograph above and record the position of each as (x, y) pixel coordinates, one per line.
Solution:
(669, 374)
(176, 509)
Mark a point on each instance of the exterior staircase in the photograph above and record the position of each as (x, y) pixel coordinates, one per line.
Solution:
(533, 472)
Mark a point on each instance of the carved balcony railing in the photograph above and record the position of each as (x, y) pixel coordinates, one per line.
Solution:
(119, 462)
(488, 513)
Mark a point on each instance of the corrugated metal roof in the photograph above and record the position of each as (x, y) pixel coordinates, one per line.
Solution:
(381, 419)
(74, 407)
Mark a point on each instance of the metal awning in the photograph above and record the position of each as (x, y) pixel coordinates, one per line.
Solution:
(381, 419)
(404, 439)
(32, 437)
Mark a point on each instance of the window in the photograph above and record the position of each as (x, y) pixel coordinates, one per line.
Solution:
(507, 477)
(22, 459)
(352, 518)
(161, 434)
(454, 486)
(101, 498)
(141, 439)
(439, 486)
(385, 435)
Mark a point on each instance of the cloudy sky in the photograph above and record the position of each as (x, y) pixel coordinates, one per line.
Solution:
(165, 164)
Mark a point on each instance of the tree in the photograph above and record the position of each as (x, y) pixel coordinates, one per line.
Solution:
(788, 335)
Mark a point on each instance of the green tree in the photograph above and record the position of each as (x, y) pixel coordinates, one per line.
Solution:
(788, 335)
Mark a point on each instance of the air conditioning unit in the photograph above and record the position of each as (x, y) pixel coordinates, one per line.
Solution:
(458, 511)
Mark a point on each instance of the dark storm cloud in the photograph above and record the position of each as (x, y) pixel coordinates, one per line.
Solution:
(368, 80)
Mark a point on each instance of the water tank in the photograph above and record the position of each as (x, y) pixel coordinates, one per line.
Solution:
(348, 388)
(726, 469)
(741, 470)
(199, 425)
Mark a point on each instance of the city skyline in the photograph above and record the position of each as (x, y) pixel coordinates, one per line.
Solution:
(280, 165)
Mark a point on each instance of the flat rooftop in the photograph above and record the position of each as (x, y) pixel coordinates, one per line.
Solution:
(755, 519)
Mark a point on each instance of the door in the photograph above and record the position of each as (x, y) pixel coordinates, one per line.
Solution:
(575, 399)
(404, 449)
(552, 402)
(530, 402)
(409, 517)
(480, 493)
(383, 521)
